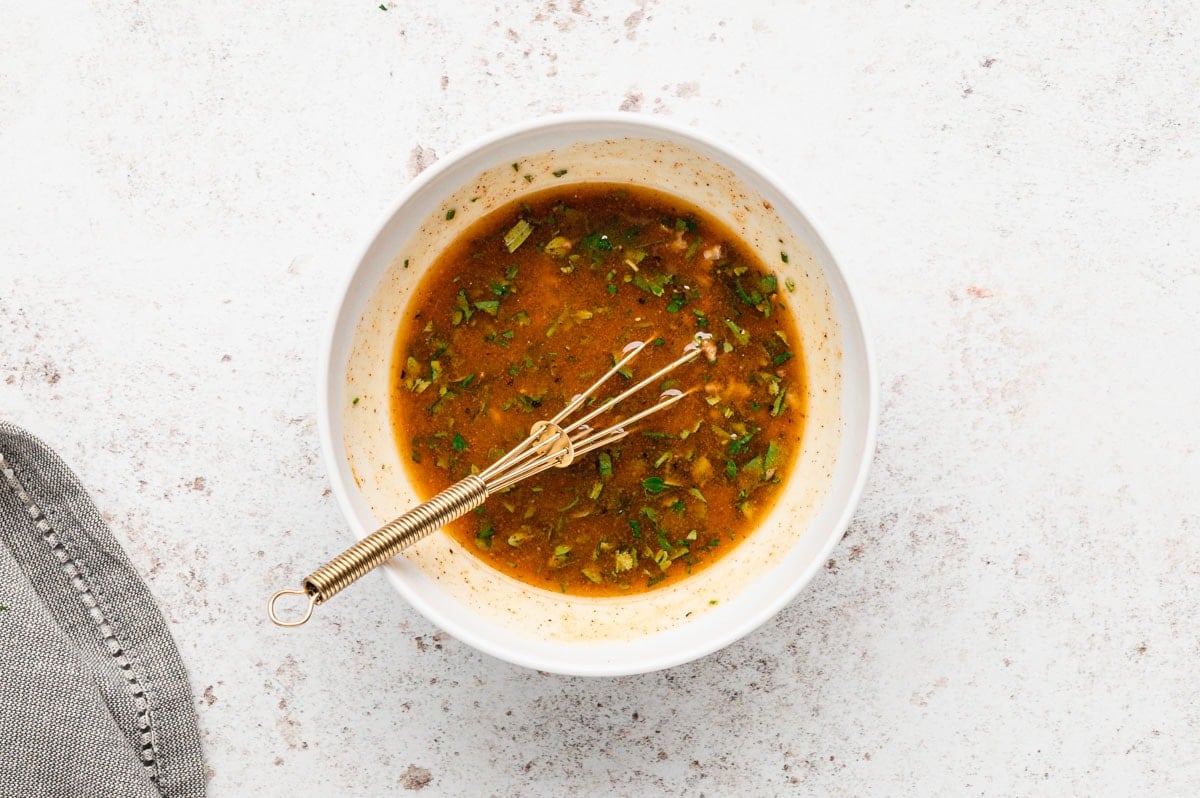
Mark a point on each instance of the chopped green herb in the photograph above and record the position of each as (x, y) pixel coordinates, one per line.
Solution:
(488, 306)
(406, 263)
(412, 376)
(652, 282)
(606, 469)
(754, 467)
(738, 445)
(696, 492)
(753, 300)
(559, 558)
(693, 249)
(516, 167)
(517, 235)
(596, 243)
(781, 358)
(676, 304)
(637, 529)
(783, 257)
(557, 246)
(382, 7)
(771, 458)
(653, 484)
(462, 310)
(559, 172)
(355, 400)
(789, 284)
(592, 574)
(597, 487)
(731, 469)
(458, 443)
(678, 506)
(450, 214)
(739, 334)
(768, 283)
(483, 538)
(662, 459)
(777, 405)
(531, 403)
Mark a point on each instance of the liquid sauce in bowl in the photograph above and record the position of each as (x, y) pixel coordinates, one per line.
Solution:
(532, 304)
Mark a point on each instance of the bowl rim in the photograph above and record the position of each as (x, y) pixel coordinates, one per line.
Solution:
(679, 133)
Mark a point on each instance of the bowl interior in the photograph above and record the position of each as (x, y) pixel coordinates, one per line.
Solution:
(567, 634)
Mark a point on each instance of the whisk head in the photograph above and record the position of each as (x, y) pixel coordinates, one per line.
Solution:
(558, 441)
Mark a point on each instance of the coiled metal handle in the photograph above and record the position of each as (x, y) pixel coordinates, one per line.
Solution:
(383, 544)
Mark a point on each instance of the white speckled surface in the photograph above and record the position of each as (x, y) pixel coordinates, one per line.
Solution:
(1014, 610)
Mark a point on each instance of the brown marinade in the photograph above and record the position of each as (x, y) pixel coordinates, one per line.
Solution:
(528, 307)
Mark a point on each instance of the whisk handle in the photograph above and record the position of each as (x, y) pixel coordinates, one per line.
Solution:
(383, 544)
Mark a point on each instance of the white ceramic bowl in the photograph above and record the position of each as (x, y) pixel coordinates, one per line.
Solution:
(565, 634)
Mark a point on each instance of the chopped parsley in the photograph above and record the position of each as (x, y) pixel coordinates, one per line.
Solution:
(515, 237)
(653, 485)
(596, 243)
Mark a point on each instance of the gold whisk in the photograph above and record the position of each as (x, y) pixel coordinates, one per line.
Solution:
(554, 443)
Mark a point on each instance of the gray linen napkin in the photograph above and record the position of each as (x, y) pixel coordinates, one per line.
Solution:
(94, 699)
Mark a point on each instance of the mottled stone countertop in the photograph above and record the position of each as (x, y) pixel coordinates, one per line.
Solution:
(1016, 191)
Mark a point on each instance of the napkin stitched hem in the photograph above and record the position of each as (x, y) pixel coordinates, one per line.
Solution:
(93, 602)
(97, 700)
